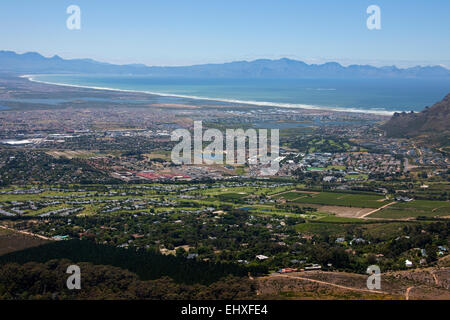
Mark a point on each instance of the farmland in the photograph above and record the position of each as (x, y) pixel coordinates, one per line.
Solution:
(414, 209)
(228, 222)
(343, 199)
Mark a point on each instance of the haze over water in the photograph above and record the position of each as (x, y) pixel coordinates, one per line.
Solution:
(367, 95)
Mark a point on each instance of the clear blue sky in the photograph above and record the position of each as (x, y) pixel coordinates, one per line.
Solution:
(182, 32)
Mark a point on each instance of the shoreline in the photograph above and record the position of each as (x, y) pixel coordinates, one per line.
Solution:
(231, 101)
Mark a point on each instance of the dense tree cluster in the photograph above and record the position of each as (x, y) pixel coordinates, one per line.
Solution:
(47, 281)
(147, 264)
(25, 167)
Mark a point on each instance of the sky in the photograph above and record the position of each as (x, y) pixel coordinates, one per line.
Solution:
(186, 32)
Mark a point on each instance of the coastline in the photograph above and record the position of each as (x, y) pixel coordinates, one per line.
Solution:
(232, 101)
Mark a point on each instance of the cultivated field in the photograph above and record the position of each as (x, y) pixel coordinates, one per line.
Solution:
(343, 199)
(414, 209)
(346, 212)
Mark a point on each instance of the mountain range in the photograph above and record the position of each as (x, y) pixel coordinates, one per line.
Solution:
(432, 121)
(33, 62)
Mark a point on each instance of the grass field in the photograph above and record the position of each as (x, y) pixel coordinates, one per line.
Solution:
(70, 154)
(336, 167)
(385, 231)
(312, 228)
(360, 176)
(290, 196)
(226, 197)
(341, 219)
(340, 226)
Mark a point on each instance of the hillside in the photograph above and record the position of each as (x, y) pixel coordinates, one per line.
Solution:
(433, 122)
(148, 265)
(415, 284)
(47, 281)
(33, 62)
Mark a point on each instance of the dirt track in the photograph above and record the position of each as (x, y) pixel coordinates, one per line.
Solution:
(26, 233)
(417, 284)
(376, 210)
(408, 292)
(330, 284)
(345, 212)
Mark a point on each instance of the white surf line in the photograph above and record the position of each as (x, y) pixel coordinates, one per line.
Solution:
(235, 101)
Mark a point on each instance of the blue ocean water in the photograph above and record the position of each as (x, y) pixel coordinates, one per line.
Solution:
(369, 95)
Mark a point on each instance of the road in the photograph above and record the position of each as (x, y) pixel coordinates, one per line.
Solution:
(376, 210)
(436, 282)
(446, 159)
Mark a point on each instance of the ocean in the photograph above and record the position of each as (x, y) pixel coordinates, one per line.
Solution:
(383, 96)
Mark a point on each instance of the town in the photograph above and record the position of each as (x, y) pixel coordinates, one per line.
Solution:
(345, 196)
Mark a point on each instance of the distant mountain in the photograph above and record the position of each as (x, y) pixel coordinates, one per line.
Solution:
(433, 121)
(32, 62)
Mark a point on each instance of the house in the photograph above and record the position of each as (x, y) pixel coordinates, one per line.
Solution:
(340, 240)
(314, 267)
(357, 241)
(59, 238)
(287, 270)
(261, 257)
(408, 264)
(403, 199)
